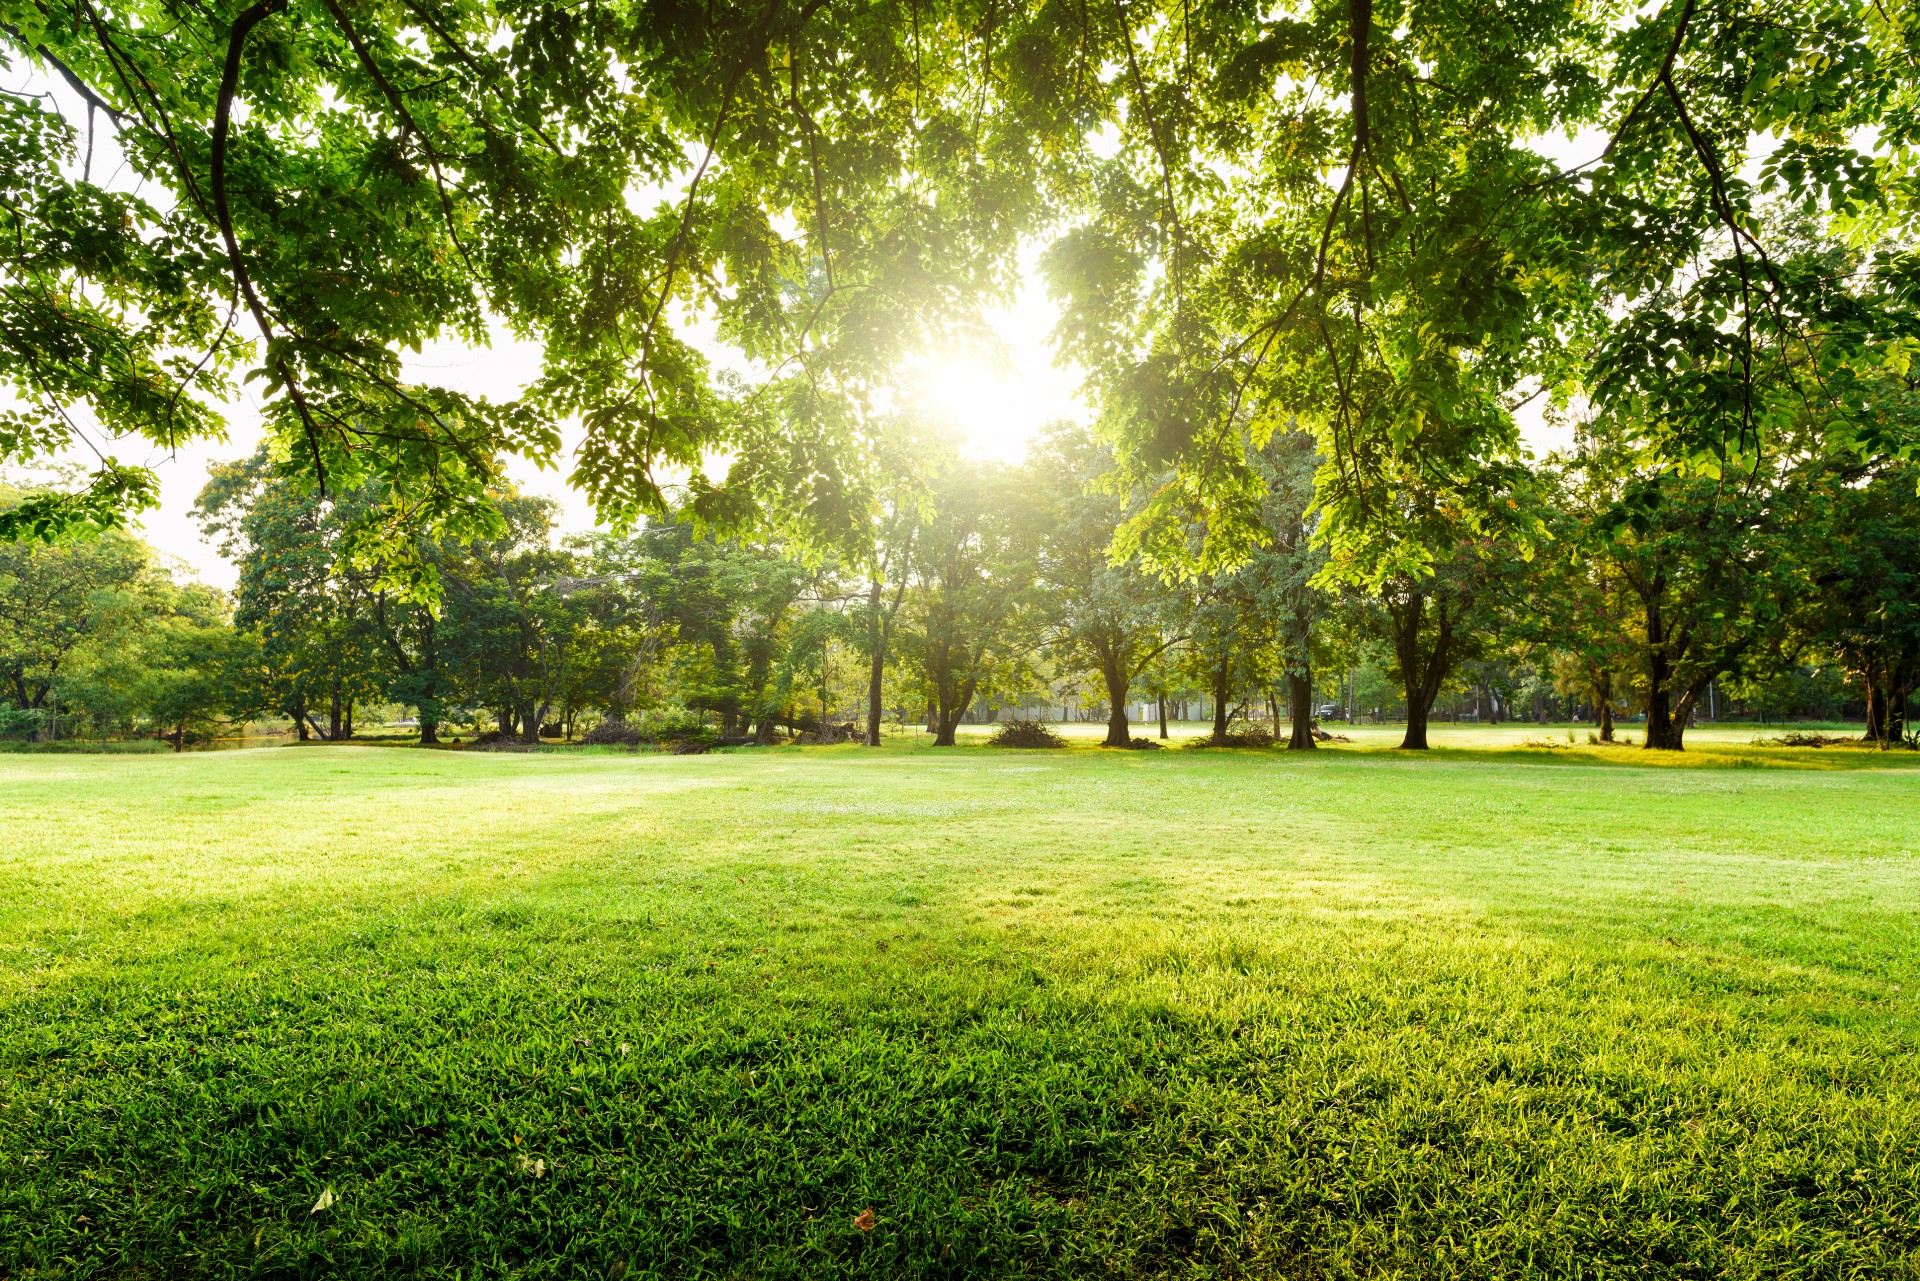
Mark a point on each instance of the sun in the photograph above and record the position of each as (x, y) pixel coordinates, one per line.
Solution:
(997, 401)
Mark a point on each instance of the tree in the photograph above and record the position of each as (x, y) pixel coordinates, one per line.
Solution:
(1702, 560)
(1576, 604)
(58, 599)
(1220, 290)
(1112, 620)
(969, 612)
(314, 615)
(907, 457)
(505, 632)
(1865, 609)
(194, 667)
(1281, 574)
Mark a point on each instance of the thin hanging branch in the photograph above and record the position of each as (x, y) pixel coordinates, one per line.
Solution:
(223, 214)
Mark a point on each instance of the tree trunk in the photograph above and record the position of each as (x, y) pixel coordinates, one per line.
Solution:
(876, 663)
(950, 712)
(1114, 672)
(1300, 696)
(1163, 716)
(1664, 733)
(346, 723)
(1220, 695)
(300, 720)
(333, 714)
(1421, 675)
(429, 731)
(1415, 739)
(1876, 707)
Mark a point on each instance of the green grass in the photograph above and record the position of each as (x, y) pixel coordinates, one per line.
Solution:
(1493, 1012)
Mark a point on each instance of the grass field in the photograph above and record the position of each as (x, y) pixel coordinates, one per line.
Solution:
(1493, 1012)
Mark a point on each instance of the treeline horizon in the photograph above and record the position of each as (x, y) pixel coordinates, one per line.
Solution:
(995, 587)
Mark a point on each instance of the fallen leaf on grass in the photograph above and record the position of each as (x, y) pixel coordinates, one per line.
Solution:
(864, 1220)
(537, 1168)
(326, 1199)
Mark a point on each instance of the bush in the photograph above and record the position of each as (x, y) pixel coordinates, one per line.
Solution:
(1025, 734)
(675, 726)
(1142, 745)
(21, 722)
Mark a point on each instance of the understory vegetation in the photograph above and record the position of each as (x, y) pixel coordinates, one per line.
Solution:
(829, 1011)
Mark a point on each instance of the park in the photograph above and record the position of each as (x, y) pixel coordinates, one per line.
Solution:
(652, 640)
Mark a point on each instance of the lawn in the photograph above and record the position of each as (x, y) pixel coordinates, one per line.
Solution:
(1496, 1011)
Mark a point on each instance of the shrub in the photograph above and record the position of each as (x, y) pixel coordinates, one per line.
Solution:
(21, 722)
(1025, 734)
(676, 726)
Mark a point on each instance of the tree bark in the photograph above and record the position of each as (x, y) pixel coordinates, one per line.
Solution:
(876, 662)
(300, 719)
(1163, 716)
(1300, 700)
(1876, 706)
(1113, 671)
(333, 713)
(1415, 739)
(950, 711)
(1421, 675)
(1220, 695)
(1664, 734)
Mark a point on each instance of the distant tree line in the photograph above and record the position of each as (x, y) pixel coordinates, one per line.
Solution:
(1628, 591)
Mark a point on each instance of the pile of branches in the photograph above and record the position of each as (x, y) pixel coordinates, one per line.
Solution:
(1025, 734)
(1239, 734)
(612, 733)
(1801, 738)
